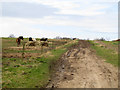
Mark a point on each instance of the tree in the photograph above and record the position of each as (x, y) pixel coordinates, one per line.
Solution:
(57, 37)
(11, 36)
(102, 39)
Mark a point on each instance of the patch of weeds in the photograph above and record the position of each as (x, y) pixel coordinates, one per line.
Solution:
(42, 59)
(115, 43)
(11, 69)
(97, 44)
(23, 63)
(16, 65)
(106, 54)
(13, 59)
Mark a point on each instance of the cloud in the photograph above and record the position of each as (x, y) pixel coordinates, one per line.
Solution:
(80, 8)
(26, 10)
(46, 1)
(93, 24)
(72, 7)
(95, 16)
(76, 7)
(52, 26)
(21, 27)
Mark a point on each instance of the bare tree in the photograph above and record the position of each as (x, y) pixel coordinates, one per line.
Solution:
(57, 37)
(102, 39)
(11, 36)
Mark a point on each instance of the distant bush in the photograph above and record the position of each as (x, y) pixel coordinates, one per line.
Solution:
(58, 37)
(101, 39)
(11, 36)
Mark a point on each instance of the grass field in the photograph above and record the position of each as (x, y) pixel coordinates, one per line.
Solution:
(10, 49)
(112, 42)
(109, 54)
(33, 71)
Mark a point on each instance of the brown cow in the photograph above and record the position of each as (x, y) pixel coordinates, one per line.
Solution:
(18, 40)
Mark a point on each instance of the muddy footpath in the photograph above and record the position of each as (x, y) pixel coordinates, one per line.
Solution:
(79, 67)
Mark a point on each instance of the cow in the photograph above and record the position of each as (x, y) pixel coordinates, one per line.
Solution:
(21, 37)
(43, 39)
(32, 39)
(74, 38)
(18, 40)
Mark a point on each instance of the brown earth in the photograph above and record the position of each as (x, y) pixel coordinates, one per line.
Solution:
(13, 54)
(79, 67)
(19, 55)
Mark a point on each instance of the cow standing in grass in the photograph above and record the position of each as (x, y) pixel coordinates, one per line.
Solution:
(74, 38)
(18, 40)
(44, 39)
(44, 42)
(32, 39)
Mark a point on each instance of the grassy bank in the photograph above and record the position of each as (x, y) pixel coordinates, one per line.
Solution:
(32, 72)
(105, 53)
(112, 42)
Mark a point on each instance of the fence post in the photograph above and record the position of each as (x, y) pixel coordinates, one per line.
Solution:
(52, 45)
(41, 49)
(23, 50)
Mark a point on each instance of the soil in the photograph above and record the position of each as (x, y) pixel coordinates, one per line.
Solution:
(30, 51)
(79, 67)
(19, 54)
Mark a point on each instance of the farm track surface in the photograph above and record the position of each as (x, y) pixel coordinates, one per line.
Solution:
(79, 67)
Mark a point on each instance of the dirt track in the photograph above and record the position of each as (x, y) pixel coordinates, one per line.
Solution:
(79, 67)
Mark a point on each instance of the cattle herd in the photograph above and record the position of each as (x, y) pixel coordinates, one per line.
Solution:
(32, 41)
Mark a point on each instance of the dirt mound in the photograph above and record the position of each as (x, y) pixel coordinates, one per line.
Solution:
(79, 67)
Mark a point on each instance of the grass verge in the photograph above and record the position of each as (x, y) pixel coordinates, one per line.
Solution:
(106, 54)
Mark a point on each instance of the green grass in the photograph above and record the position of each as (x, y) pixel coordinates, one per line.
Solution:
(112, 42)
(106, 54)
(31, 72)
(116, 43)
(11, 42)
(19, 75)
(25, 77)
(8, 42)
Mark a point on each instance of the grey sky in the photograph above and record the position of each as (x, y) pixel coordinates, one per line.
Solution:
(70, 18)
(26, 10)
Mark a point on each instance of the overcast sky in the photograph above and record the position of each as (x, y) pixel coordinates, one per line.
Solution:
(66, 18)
